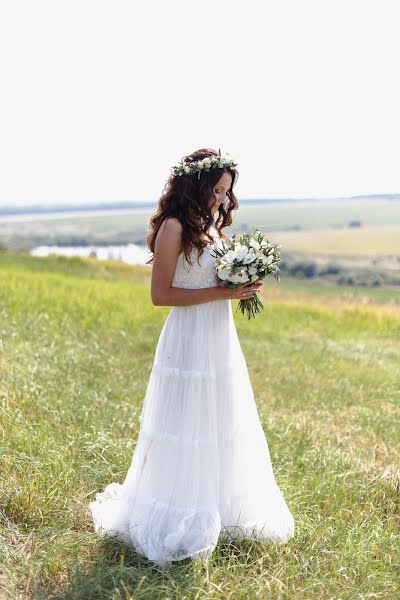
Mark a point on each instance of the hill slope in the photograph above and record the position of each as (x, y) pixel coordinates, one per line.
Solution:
(77, 343)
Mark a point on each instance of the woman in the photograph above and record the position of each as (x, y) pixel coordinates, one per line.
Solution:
(201, 469)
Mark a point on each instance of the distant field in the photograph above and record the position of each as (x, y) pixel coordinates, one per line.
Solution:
(315, 215)
(308, 215)
(371, 241)
(275, 216)
(315, 236)
(77, 345)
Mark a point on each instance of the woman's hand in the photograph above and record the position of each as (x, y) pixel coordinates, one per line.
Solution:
(244, 291)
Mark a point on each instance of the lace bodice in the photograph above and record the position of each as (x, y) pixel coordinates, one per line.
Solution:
(197, 275)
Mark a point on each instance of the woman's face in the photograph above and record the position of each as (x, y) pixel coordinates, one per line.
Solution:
(220, 191)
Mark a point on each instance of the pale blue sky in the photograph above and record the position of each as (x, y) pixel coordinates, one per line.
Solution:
(100, 98)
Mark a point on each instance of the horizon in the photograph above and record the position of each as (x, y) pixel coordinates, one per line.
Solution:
(143, 204)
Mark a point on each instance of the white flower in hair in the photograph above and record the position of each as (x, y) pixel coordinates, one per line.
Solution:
(209, 162)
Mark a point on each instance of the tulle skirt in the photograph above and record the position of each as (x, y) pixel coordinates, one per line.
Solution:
(201, 469)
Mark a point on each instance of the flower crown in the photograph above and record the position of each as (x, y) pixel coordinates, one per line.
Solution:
(197, 166)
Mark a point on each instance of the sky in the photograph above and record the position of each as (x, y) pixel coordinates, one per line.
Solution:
(100, 99)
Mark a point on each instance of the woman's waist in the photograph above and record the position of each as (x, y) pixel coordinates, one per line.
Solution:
(216, 304)
(196, 285)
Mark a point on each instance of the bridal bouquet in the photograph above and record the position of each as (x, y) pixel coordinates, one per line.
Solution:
(246, 258)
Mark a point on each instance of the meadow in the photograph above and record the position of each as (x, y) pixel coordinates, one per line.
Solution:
(77, 339)
(311, 226)
(342, 243)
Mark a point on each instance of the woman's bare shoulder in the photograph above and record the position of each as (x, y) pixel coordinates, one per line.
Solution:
(171, 225)
(169, 236)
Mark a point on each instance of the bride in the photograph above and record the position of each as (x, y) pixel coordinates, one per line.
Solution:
(201, 469)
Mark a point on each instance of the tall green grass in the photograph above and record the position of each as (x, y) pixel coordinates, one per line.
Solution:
(77, 340)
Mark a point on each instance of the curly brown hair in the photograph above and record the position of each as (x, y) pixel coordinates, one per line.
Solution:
(186, 198)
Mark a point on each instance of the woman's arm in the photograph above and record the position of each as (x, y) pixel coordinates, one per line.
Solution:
(166, 251)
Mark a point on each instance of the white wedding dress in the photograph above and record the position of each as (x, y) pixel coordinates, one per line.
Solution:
(201, 468)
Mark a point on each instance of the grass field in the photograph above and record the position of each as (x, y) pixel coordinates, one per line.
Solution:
(77, 339)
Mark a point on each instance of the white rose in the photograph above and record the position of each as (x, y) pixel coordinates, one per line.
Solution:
(186, 168)
(243, 277)
(254, 244)
(241, 251)
(230, 256)
(250, 257)
(236, 278)
(252, 271)
(223, 274)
